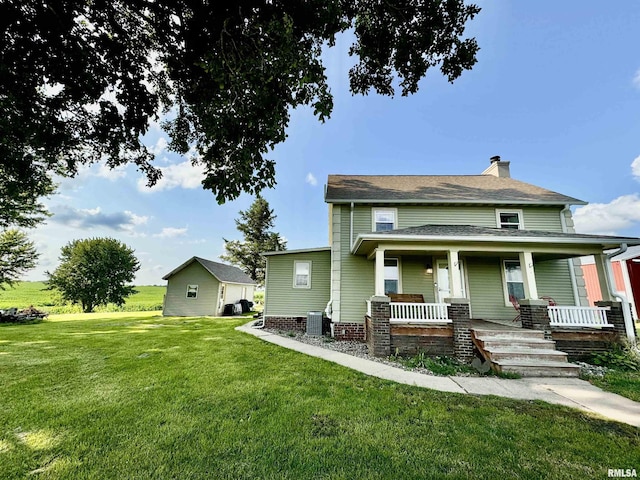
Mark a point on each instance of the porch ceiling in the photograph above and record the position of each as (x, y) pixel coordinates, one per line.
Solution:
(487, 241)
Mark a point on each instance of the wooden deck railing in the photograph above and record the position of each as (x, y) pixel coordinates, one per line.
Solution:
(563, 316)
(419, 312)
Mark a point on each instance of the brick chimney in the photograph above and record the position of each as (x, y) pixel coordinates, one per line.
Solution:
(497, 168)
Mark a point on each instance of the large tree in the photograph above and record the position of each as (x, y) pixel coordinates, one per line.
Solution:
(17, 256)
(81, 80)
(95, 272)
(255, 224)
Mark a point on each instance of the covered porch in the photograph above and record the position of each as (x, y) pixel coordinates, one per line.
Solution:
(495, 271)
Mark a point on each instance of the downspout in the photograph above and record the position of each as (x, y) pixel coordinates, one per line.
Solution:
(626, 313)
(572, 271)
(351, 228)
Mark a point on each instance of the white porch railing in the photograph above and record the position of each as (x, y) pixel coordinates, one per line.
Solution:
(419, 312)
(562, 316)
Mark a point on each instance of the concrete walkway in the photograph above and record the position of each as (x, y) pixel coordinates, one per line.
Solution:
(571, 392)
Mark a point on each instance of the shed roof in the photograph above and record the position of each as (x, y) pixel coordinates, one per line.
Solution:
(224, 273)
(458, 189)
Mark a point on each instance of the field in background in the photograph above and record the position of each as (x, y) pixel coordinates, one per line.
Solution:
(24, 294)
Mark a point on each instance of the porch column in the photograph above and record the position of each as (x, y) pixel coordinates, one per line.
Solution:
(455, 279)
(528, 275)
(603, 277)
(379, 275)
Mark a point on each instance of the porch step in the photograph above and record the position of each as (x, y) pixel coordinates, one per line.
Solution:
(537, 368)
(525, 352)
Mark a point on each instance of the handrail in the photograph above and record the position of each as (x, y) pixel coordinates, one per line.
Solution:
(419, 312)
(569, 316)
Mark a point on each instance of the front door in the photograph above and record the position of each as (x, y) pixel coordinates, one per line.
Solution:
(443, 288)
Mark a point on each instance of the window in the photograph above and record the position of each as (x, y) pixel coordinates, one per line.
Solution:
(514, 282)
(509, 219)
(384, 220)
(192, 291)
(301, 274)
(391, 276)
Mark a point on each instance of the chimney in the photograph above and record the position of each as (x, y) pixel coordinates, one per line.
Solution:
(497, 168)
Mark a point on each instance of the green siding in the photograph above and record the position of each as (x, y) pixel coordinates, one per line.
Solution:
(554, 280)
(281, 299)
(176, 301)
(486, 291)
(535, 218)
(414, 278)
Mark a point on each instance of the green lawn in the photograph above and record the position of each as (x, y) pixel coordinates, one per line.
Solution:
(138, 396)
(23, 294)
(626, 384)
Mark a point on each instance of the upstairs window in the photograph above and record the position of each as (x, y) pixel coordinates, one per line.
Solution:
(192, 291)
(509, 219)
(384, 220)
(301, 274)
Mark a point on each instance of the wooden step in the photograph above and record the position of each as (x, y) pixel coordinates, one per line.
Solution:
(483, 333)
(538, 343)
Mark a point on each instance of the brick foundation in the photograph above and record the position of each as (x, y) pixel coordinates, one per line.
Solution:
(459, 314)
(349, 331)
(433, 340)
(580, 344)
(298, 324)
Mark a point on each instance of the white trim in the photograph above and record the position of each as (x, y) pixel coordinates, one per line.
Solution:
(194, 288)
(503, 273)
(375, 210)
(399, 263)
(559, 203)
(497, 239)
(295, 264)
(517, 211)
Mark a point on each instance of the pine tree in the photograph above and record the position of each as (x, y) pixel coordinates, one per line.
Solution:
(255, 224)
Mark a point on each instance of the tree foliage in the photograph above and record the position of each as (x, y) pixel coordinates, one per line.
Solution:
(17, 256)
(95, 272)
(255, 225)
(80, 80)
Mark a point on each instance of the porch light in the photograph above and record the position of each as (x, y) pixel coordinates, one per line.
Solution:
(428, 269)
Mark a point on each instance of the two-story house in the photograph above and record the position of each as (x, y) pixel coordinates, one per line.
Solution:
(490, 239)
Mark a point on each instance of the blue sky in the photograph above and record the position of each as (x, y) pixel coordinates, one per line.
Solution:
(556, 91)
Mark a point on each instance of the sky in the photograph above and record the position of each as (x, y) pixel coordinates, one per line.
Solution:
(556, 91)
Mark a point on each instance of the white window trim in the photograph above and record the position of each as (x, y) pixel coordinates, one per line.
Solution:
(187, 292)
(295, 263)
(503, 272)
(390, 210)
(399, 260)
(512, 210)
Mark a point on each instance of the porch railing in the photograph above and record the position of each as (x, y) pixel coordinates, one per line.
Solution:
(563, 316)
(419, 312)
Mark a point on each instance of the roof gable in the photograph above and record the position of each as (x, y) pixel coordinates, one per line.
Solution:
(459, 189)
(223, 272)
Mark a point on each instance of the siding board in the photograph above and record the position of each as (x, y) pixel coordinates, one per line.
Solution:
(176, 301)
(281, 299)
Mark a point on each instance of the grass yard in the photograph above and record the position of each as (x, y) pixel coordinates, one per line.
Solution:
(141, 396)
(626, 384)
(23, 294)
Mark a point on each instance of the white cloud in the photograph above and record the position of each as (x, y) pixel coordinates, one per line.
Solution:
(171, 232)
(608, 218)
(311, 180)
(160, 146)
(635, 167)
(110, 173)
(183, 175)
(89, 218)
(636, 79)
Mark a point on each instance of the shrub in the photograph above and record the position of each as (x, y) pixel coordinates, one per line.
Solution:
(625, 357)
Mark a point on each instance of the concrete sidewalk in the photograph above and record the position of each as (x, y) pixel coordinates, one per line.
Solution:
(571, 392)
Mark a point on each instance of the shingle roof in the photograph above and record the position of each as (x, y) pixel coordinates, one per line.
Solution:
(476, 231)
(440, 189)
(223, 272)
